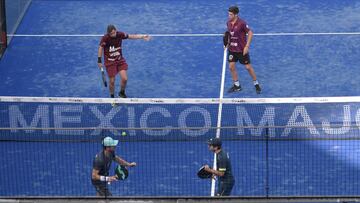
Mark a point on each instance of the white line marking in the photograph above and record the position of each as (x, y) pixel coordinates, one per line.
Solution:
(221, 97)
(290, 100)
(194, 35)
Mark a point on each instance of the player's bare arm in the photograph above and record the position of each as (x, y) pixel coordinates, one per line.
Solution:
(100, 51)
(95, 176)
(249, 38)
(123, 162)
(144, 37)
(215, 172)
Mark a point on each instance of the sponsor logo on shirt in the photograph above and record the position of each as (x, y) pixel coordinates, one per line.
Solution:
(115, 54)
(114, 51)
(112, 48)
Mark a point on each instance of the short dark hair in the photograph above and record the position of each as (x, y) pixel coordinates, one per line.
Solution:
(110, 28)
(234, 9)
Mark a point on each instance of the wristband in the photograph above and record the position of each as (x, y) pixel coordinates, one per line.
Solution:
(104, 178)
(99, 59)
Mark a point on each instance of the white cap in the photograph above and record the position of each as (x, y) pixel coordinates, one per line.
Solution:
(109, 142)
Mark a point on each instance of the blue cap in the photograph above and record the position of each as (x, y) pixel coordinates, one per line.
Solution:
(109, 142)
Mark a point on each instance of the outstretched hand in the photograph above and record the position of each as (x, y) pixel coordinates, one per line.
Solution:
(147, 37)
(132, 164)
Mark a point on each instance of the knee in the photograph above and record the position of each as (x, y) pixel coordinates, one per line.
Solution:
(248, 67)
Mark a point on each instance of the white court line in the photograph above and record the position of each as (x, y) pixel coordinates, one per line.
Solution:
(194, 35)
(218, 125)
(289, 100)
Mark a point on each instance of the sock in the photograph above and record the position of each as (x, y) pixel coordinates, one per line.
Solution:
(237, 83)
(255, 82)
(112, 96)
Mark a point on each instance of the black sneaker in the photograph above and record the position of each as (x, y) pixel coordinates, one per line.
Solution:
(258, 88)
(112, 96)
(234, 88)
(122, 94)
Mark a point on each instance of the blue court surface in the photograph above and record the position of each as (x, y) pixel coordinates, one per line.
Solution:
(302, 64)
(169, 169)
(186, 67)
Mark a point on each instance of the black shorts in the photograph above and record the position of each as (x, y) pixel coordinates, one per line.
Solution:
(224, 188)
(238, 56)
(101, 189)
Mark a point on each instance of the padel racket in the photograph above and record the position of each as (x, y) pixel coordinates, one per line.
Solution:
(203, 174)
(103, 77)
(121, 172)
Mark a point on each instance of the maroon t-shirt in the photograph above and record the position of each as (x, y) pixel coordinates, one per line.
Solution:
(112, 47)
(238, 32)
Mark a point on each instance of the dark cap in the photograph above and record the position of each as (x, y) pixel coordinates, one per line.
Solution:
(215, 142)
(234, 9)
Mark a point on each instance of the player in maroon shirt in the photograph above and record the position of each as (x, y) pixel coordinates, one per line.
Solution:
(238, 43)
(113, 59)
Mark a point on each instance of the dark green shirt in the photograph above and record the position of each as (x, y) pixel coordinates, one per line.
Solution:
(224, 165)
